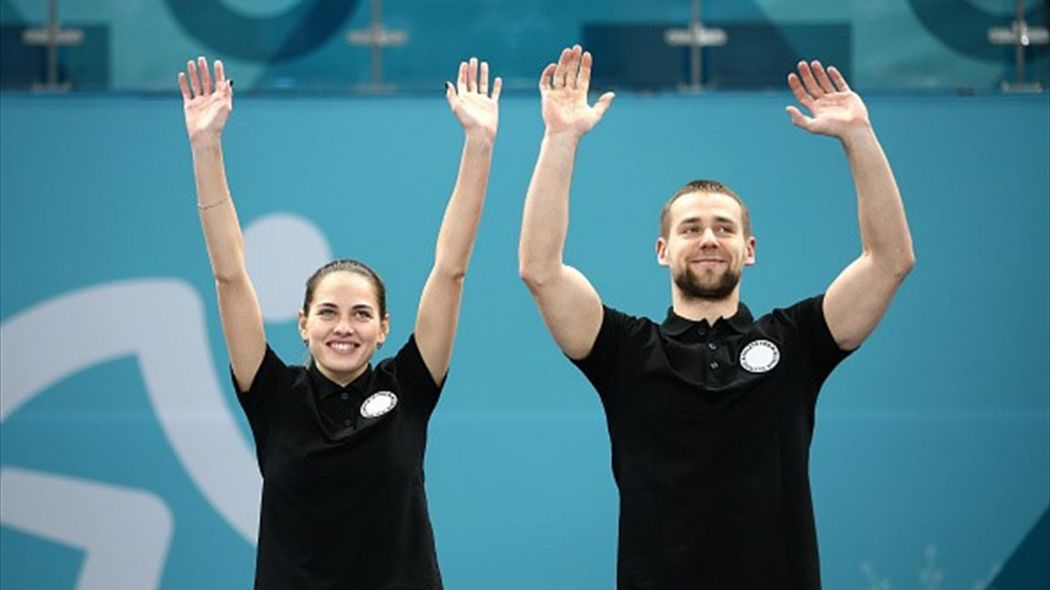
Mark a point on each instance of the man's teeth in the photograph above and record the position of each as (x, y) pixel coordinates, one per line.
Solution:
(342, 346)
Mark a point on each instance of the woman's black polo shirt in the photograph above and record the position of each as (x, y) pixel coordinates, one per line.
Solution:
(343, 504)
(710, 429)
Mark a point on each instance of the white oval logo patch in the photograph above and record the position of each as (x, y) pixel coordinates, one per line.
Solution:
(759, 356)
(378, 403)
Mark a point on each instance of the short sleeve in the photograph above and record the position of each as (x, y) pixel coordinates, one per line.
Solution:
(807, 316)
(602, 365)
(272, 377)
(413, 376)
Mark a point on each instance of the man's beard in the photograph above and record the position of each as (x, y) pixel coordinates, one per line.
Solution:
(694, 288)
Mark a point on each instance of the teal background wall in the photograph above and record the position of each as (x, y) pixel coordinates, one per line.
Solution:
(932, 447)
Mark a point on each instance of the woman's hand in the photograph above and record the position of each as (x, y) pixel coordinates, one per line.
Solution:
(470, 101)
(207, 106)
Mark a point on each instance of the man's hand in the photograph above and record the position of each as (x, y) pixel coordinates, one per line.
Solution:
(836, 110)
(858, 298)
(206, 106)
(470, 101)
(563, 88)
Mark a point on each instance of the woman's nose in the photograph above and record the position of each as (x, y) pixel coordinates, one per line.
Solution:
(344, 326)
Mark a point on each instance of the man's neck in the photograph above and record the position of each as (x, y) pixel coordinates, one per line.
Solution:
(705, 309)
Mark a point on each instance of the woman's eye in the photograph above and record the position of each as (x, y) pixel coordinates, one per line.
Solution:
(326, 313)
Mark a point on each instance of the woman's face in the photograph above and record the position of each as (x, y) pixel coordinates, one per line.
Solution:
(343, 328)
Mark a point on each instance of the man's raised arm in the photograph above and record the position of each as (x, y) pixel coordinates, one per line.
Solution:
(569, 304)
(860, 295)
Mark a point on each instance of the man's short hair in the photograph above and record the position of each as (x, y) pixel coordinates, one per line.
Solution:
(703, 186)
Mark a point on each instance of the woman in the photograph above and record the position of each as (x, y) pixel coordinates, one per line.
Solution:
(340, 444)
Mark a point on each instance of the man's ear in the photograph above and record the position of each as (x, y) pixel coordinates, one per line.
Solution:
(661, 251)
(749, 257)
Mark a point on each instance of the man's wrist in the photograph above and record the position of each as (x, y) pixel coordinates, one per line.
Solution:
(480, 137)
(567, 137)
(857, 134)
(205, 144)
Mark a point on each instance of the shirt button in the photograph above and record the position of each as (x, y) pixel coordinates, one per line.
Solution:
(713, 364)
(344, 396)
(346, 422)
(711, 346)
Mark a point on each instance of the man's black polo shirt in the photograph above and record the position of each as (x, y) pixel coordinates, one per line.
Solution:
(710, 429)
(343, 504)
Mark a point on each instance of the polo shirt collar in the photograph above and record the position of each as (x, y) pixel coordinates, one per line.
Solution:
(324, 387)
(676, 325)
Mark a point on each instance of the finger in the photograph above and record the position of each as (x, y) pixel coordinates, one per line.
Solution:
(184, 86)
(483, 80)
(220, 73)
(497, 86)
(822, 77)
(222, 83)
(800, 93)
(195, 83)
(798, 118)
(584, 81)
(546, 77)
(808, 80)
(461, 78)
(573, 77)
(450, 94)
(562, 69)
(838, 79)
(603, 104)
(472, 75)
(202, 67)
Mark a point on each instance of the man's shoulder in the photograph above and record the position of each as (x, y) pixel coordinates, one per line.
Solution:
(802, 320)
(618, 318)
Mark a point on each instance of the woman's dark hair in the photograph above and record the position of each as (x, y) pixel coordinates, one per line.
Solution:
(347, 265)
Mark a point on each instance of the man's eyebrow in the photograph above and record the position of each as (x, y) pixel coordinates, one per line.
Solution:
(718, 219)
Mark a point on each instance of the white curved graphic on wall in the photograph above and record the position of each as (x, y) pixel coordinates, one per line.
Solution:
(161, 323)
(125, 533)
(281, 251)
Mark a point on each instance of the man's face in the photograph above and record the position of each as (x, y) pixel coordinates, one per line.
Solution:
(706, 248)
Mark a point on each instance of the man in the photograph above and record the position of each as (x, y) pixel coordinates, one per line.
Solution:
(710, 413)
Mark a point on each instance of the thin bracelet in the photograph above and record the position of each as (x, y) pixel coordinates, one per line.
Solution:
(215, 204)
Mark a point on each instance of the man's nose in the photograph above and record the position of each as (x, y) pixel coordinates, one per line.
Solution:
(708, 239)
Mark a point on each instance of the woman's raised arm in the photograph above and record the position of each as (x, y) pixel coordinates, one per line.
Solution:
(478, 112)
(207, 104)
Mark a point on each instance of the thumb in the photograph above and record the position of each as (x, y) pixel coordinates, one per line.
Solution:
(450, 94)
(603, 103)
(797, 118)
